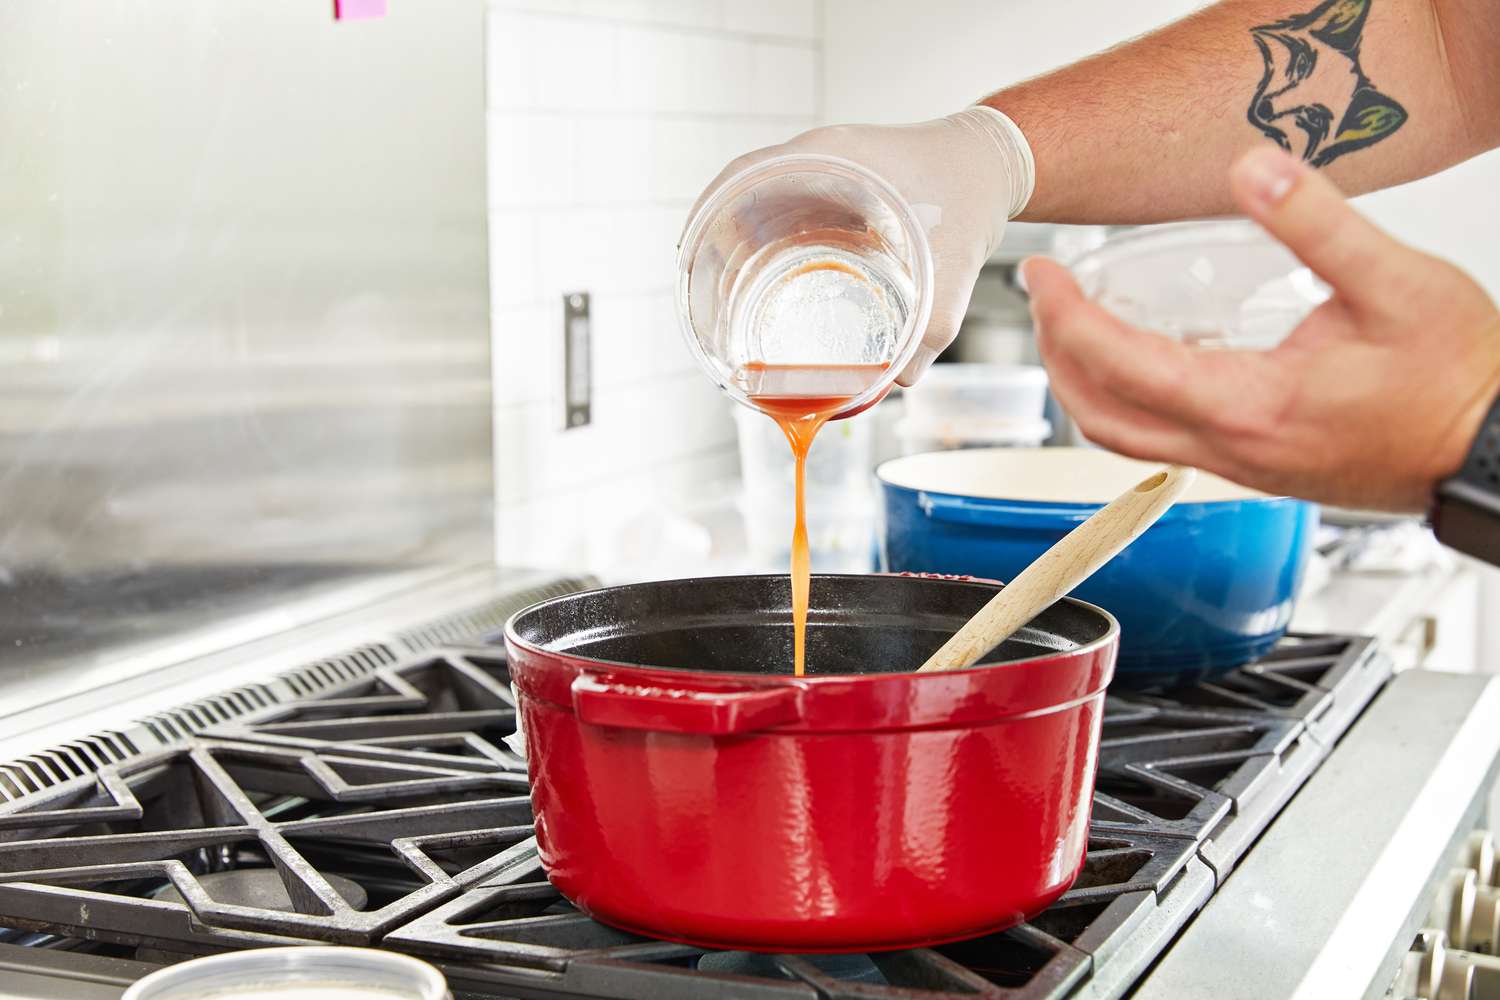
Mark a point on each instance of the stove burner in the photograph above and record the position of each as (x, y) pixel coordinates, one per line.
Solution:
(844, 968)
(397, 787)
(261, 888)
(392, 780)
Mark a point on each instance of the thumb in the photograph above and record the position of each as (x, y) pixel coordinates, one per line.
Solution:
(1304, 210)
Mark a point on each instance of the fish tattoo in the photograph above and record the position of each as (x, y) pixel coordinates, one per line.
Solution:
(1314, 99)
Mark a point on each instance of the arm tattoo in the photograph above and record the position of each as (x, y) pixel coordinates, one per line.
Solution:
(1314, 99)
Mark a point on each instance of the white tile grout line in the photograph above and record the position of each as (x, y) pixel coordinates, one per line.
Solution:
(509, 310)
(627, 388)
(667, 292)
(821, 77)
(553, 207)
(715, 450)
(701, 117)
(673, 27)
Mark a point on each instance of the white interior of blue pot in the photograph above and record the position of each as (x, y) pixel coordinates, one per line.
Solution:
(1043, 475)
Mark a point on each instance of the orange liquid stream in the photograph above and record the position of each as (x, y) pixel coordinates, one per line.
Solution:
(801, 398)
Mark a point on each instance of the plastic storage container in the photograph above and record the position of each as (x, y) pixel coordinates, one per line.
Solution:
(1210, 284)
(975, 406)
(804, 266)
(918, 436)
(311, 973)
(970, 392)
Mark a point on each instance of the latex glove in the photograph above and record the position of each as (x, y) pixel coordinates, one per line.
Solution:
(1368, 403)
(965, 175)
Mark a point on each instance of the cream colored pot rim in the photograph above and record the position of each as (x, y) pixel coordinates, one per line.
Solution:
(1043, 475)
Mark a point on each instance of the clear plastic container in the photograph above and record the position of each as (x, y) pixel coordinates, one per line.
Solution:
(919, 437)
(841, 494)
(804, 277)
(310, 973)
(977, 392)
(1210, 284)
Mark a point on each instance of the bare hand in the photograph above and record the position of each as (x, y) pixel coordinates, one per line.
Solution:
(1371, 401)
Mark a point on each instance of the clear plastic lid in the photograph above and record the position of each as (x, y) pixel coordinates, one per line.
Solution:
(305, 973)
(1210, 284)
(806, 277)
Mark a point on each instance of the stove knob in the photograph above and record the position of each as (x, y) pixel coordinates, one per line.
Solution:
(1478, 853)
(1453, 909)
(1441, 977)
(1484, 927)
(1412, 979)
(1470, 976)
(1455, 981)
(1422, 971)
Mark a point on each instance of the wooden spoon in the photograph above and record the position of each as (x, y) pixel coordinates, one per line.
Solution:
(1057, 571)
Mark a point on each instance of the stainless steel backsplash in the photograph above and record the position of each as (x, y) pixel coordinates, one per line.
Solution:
(244, 339)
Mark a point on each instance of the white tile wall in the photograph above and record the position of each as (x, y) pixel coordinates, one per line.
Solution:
(606, 119)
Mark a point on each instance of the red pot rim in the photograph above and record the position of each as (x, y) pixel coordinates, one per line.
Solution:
(703, 701)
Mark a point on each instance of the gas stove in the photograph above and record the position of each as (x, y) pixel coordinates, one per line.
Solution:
(373, 801)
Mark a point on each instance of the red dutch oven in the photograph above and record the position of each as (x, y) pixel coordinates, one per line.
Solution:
(688, 787)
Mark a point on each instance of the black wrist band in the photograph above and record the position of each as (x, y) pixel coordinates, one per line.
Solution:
(1466, 514)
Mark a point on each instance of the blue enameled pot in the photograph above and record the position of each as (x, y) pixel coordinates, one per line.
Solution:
(1207, 588)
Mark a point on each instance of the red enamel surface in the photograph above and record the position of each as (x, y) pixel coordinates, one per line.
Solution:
(856, 813)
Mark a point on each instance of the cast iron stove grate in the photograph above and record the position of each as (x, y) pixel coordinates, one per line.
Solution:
(398, 787)
(137, 855)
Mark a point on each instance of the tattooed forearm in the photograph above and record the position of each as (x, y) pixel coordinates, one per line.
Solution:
(1314, 98)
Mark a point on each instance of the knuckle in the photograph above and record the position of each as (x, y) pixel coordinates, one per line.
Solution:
(942, 327)
(1167, 381)
(1113, 435)
(824, 138)
(1345, 244)
(1048, 313)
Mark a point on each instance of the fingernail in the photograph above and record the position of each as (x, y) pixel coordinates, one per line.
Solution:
(1024, 273)
(1268, 175)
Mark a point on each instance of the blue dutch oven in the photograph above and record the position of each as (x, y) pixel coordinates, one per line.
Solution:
(1208, 587)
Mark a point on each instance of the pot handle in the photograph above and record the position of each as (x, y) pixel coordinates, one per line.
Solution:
(600, 702)
(963, 510)
(953, 577)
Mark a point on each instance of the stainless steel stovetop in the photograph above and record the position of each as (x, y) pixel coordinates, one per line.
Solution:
(375, 803)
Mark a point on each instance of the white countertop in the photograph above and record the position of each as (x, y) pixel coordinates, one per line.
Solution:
(1333, 894)
(1331, 897)
(1381, 604)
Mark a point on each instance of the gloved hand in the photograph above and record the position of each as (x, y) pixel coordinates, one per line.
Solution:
(965, 175)
(1372, 400)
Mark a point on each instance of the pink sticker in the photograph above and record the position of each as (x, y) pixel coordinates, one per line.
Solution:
(355, 10)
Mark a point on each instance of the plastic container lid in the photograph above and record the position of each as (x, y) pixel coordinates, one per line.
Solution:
(298, 973)
(1210, 284)
(979, 392)
(975, 431)
(980, 375)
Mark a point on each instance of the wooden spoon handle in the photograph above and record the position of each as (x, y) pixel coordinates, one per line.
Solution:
(1064, 566)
